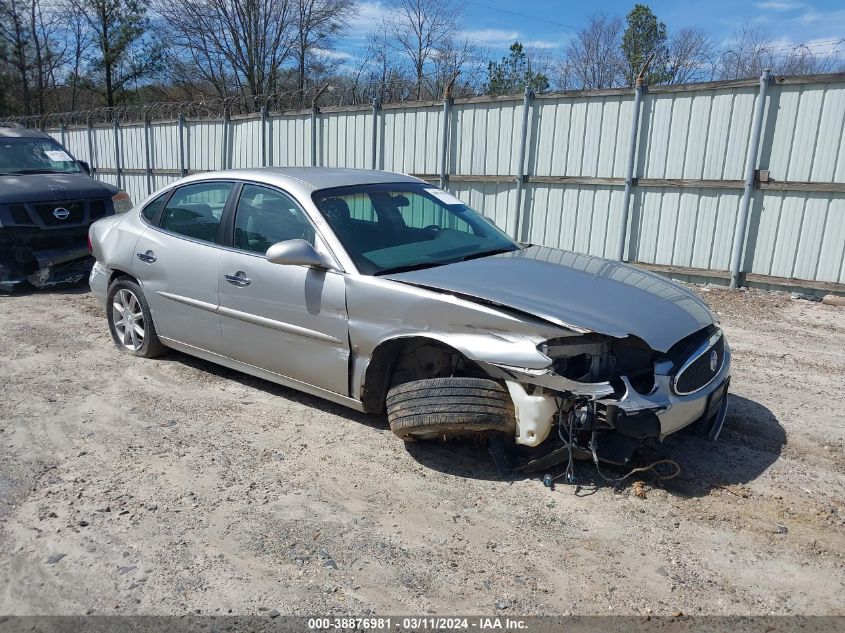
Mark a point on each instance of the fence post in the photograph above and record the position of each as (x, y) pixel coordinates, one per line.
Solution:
(750, 170)
(374, 136)
(521, 231)
(444, 137)
(116, 128)
(91, 164)
(264, 136)
(639, 91)
(148, 162)
(224, 162)
(62, 131)
(180, 122)
(315, 111)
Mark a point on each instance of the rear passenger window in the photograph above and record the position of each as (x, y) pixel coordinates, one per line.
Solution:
(154, 207)
(195, 210)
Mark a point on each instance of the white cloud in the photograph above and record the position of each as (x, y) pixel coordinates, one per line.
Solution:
(778, 5)
(497, 38)
(542, 44)
(367, 18)
(332, 54)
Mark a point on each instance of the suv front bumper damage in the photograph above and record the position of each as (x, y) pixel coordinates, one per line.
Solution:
(41, 259)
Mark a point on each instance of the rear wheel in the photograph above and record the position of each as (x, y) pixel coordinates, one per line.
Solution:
(449, 407)
(130, 321)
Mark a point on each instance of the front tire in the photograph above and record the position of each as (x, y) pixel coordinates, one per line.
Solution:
(449, 407)
(130, 320)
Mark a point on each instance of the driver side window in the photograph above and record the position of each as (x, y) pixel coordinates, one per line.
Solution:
(265, 216)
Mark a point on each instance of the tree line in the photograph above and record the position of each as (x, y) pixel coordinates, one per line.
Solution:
(66, 55)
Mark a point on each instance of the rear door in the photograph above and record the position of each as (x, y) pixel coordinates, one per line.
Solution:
(177, 260)
(290, 320)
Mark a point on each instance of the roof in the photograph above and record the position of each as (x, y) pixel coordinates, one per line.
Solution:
(16, 132)
(310, 178)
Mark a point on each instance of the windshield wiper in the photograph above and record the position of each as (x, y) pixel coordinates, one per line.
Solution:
(495, 251)
(410, 267)
(24, 172)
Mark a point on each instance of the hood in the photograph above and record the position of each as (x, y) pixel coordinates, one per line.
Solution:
(575, 290)
(20, 188)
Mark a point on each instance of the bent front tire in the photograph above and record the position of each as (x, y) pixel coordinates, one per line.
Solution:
(449, 407)
(130, 320)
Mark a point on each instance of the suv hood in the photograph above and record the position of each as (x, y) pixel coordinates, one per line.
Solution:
(575, 290)
(17, 188)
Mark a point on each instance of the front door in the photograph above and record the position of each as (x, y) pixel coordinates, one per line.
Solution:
(177, 264)
(290, 320)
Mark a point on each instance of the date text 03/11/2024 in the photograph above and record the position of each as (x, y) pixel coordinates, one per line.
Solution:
(430, 623)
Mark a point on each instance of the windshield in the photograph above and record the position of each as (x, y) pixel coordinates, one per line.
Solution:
(395, 227)
(34, 156)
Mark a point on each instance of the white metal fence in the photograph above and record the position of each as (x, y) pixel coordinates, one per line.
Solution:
(691, 144)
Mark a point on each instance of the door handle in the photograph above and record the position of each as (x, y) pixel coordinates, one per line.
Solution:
(148, 257)
(238, 279)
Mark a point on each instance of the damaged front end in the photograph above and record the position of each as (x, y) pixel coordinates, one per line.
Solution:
(45, 244)
(43, 259)
(607, 398)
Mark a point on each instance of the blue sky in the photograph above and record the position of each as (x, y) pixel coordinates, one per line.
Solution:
(547, 24)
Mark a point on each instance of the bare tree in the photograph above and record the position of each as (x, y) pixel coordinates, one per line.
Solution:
(317, 21)
(14, 31)
(232, 45)
(593, 57)
(123, 52)
(457, 60)
(750, 51)
(691, 54)
(420, 28)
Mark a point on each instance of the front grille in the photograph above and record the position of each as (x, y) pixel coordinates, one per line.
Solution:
(46, 211)
(19, 215)
(700, 371)
(96, 210)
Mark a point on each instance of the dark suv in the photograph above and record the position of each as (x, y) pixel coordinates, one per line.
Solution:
(47, 202)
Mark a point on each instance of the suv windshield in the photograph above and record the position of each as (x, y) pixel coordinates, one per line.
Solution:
(395, 227)
(34, 156)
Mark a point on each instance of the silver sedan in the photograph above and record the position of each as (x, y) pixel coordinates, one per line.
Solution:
(379, 291)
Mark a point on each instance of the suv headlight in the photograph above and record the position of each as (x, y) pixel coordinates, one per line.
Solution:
(122, 202)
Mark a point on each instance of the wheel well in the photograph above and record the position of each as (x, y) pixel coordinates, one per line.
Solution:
(119, 274)
(406, 359)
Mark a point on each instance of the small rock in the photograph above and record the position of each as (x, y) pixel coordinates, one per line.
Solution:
(330, 563)
(781, 529)
(662, 571)
(833, 300)
(274, 613)
(83, 523)
(501, 604)
(125, 569)
(152, 507)
(677, 614)
(55, 558)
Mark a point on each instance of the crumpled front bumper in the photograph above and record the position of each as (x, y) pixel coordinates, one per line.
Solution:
(42, 259)
(640, 417)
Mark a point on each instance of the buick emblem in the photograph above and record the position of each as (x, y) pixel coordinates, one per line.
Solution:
(714, 360)
(60, 213)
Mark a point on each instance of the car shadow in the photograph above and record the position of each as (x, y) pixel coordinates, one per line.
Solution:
(327, 406)
(751, 441)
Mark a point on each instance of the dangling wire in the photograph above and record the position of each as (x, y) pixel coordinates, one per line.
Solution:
(651, 467)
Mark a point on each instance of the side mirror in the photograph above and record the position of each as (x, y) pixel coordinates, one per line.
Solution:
(85, 166)
(297, 253)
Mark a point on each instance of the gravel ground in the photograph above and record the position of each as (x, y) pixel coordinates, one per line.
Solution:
(172, 486)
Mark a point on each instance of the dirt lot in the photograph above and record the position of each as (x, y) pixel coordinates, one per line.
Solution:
(168, 486)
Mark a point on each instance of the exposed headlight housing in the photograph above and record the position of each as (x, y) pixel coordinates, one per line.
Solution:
(122, 202)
